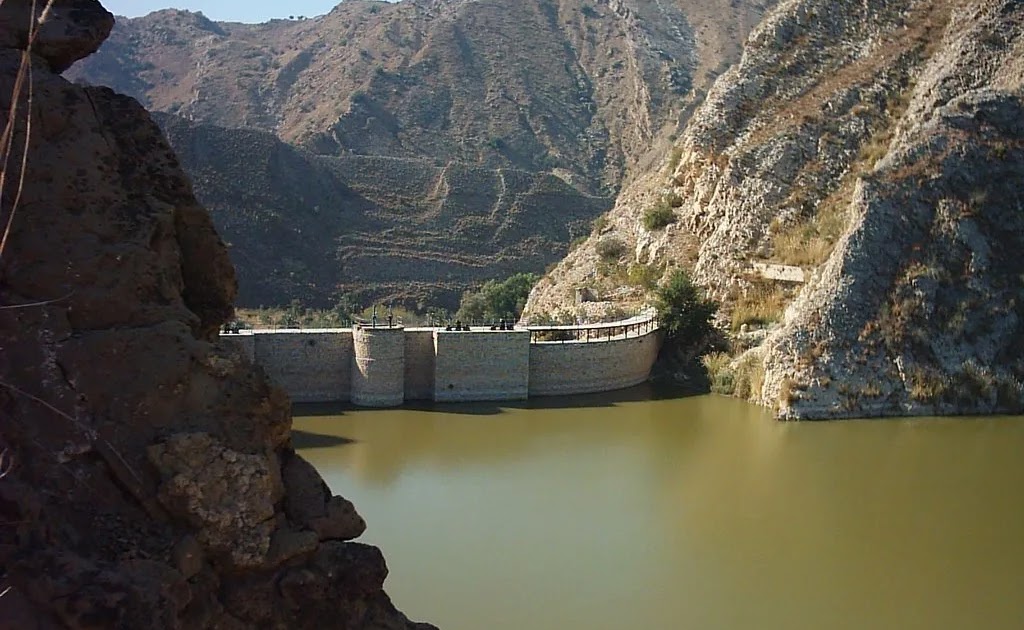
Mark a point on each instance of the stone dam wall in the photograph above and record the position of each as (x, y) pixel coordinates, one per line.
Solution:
(382, 367)
(482, 365)
(587, 367)
(311, 365)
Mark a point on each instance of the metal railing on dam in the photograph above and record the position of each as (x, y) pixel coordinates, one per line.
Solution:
(385, 365)
(641, 324)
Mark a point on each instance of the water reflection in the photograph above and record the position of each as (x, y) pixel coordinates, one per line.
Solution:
(689, 513)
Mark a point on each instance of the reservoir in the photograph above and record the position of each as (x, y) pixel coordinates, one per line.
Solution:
(628, 510)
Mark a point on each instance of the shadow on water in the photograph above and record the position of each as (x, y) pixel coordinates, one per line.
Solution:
(639, 393)
(309, 439)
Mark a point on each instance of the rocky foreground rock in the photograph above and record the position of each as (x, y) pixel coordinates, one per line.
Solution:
(149, 480)
(877, 145)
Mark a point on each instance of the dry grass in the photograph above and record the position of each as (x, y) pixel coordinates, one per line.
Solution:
(927, 386)
(749, 377)
(720, 373)
(789, 391)
(871, 390)
(762, 304)
(810, 242)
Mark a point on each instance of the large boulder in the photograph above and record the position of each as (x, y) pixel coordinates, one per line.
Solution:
(142, 483)
(71, 30)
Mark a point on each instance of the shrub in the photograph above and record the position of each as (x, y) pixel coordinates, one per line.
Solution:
(658, 216)
(720, 373)
(610, 249)
(560, 318)
(685, 315)
(675, 157)
(644, 276)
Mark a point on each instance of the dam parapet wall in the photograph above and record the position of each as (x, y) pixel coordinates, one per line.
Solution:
(386, 366)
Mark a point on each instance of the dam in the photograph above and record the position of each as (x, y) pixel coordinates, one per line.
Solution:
(385, 366)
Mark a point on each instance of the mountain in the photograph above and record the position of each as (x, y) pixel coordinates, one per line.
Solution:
(578, 87)
(310, 227)
(409, 151)
(874, 149)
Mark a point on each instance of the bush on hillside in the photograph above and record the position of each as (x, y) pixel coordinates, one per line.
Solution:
(685, 314)
(497, 300)
(610, 249)
(658, 216)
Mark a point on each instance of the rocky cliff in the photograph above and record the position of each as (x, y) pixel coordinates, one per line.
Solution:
(147, 477)
(874, 149)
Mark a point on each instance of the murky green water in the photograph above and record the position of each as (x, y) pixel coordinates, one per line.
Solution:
(692, 513)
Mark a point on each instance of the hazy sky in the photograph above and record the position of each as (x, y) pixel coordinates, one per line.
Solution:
(226, 10)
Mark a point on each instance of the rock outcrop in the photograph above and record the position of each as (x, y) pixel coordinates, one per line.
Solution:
(877, 146)
(148, 478)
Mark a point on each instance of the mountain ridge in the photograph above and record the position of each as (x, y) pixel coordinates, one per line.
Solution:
(583, 87)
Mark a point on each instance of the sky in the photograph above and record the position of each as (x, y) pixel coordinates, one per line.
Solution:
(225, 10)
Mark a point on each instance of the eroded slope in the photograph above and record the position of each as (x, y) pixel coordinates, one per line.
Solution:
(313, 228)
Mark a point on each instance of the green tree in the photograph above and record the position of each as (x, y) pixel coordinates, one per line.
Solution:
(497, 300)
(343, 310)
(473, 306)
(685, 314)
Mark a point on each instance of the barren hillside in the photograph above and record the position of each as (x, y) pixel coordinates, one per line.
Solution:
(312, 228)
(582, 87)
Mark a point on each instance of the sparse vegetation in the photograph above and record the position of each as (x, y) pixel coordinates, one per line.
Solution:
(643, 276)
(762, 304)
(789, 391)
(674, 159)
(658, 216)
(610, 249)
(927, 385)
(720, 373)
(749, 377)
(809, 242)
